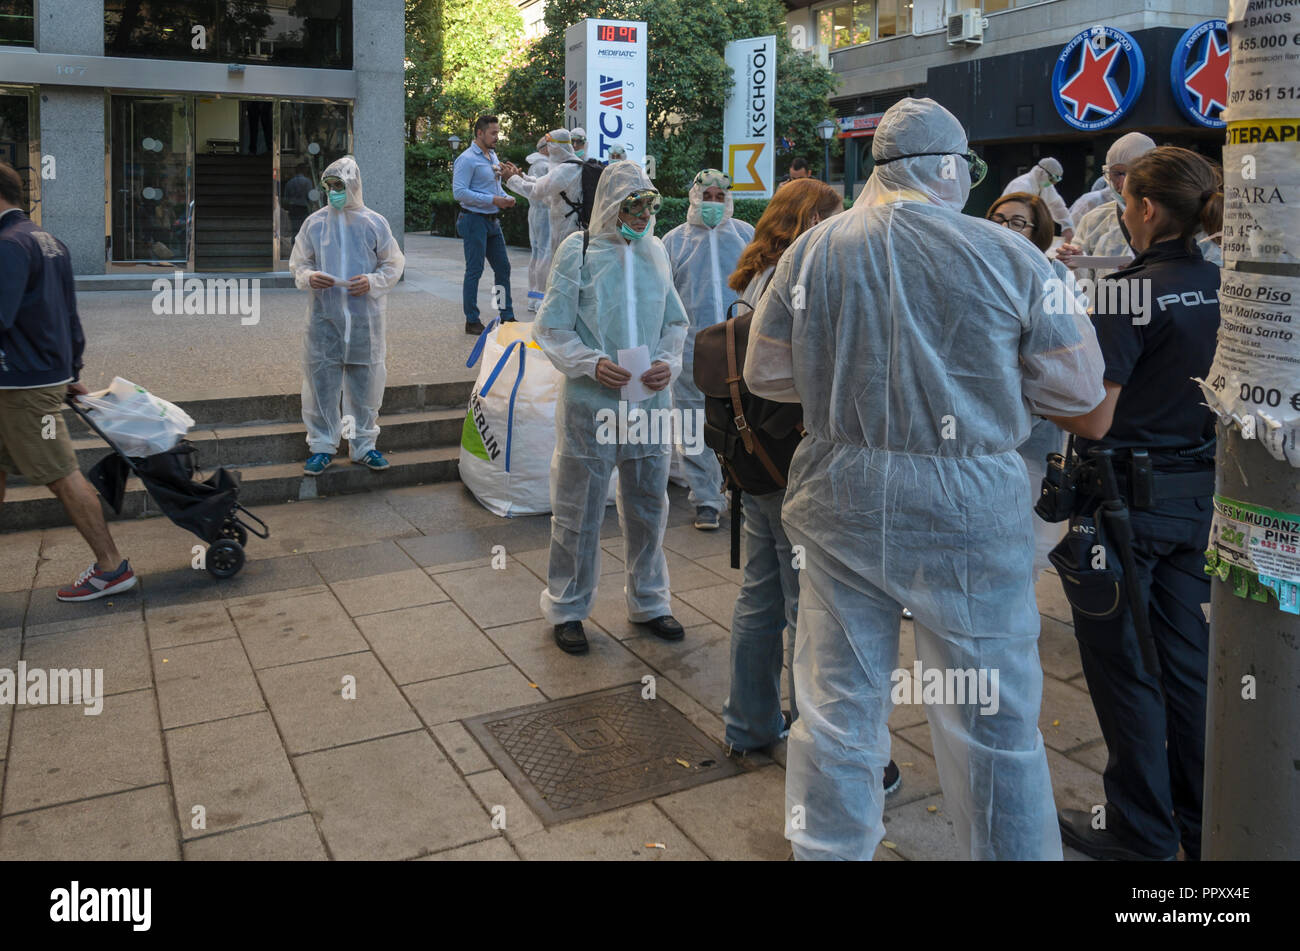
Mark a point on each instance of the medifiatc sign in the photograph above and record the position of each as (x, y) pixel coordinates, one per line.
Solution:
(749, 120)
(1098, 77)
(605, 85)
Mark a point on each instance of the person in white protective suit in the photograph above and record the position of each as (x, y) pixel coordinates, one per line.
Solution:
(925, 343)
(1089, 200)
(1041, 180)
(1100, 233)
(579, 139)
(345, 254)
(539, 223)
(563, 179)
(614, 294)
(704, 251)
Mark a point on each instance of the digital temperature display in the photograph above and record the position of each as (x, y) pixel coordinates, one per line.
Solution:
(616, 34)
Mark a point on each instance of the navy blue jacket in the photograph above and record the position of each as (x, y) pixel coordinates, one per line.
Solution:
(40, 333)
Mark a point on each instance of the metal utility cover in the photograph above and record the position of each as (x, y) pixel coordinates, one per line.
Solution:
(588, 754)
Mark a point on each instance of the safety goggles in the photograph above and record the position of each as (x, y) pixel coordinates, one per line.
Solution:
(1052, 177)
(1015, 222)
(977, 166)
(712, 179)
(1115, 176)
(335, 185)
(578, 140)
(646, 201)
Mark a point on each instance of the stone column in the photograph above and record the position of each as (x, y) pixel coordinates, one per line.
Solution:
(378, 126)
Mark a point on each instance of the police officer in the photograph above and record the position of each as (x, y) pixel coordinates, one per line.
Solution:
(1154, 721)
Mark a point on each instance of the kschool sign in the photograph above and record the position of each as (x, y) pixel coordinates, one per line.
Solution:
(1099, 76)
(749, 119)
(605, 85)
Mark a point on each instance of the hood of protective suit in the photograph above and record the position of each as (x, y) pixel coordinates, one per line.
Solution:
(1099, 185)
(617, 182)
(910, 127)
(535, 157)
(560, 148)
(1044, 171)
(346, 169)
(1128, 148)
(707, 179)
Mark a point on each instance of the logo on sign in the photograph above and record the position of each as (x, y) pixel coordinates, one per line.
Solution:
(742, 167)
(573, 95)
(1097, 78)
(1199, 73)
(611, 93)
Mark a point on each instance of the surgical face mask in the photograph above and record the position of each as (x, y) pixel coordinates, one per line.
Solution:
(712, 212)
(631, 235)
(338, 199)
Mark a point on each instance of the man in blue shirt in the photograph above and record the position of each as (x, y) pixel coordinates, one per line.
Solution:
(476, 184)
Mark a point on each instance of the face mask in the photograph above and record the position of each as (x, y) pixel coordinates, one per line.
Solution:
(581, 153)
(631, 235)
(711, 212)
(338, 199)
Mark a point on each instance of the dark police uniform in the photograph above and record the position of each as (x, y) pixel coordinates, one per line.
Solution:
(1154, 775)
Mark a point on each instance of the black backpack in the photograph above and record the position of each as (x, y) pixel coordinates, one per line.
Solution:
(591, 170)
(754, 438)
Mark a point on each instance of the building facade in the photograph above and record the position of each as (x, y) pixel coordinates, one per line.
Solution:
(200, 127)
(1001, 88)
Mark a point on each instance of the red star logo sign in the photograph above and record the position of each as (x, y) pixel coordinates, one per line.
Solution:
(1090, 87)
(1208, 81)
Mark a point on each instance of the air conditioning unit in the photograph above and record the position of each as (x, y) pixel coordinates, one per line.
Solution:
(966, 28)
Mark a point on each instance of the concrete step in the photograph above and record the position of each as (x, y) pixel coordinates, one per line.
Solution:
(31, 507)
(263, 443)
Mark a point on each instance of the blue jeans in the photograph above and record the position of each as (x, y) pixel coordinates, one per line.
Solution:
(762, 628)
(483, 238)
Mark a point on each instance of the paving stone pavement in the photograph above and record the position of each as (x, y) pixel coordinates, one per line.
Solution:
(313, 707)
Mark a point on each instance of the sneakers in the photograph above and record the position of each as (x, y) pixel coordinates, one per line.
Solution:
(893, 778)
(374, 459)
(570, 637)
(317, 462)
(94, 583)
(706, 519)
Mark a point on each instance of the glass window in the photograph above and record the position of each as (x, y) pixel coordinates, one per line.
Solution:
(992, 6)
(151, 205)
(864, 21)
(315, 33)
(16, 145)
(825, 32)
(312, 135)
(895, 17)
(843, 25)
(17, 26)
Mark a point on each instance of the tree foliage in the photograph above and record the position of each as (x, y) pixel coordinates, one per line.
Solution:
(687, 76)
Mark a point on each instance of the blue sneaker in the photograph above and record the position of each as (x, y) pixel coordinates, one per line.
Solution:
(317, 462)
(374, 459)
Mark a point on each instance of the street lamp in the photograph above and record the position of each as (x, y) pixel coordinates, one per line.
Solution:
(454, 141)
(826, 130)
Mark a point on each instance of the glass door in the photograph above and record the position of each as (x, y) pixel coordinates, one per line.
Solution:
(20, 144)
(151, 198)
(312, 135)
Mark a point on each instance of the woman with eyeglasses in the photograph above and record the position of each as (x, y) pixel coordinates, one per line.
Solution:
(1027, 216)
(610, 300)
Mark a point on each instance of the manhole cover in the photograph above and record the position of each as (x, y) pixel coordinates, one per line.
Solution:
(588, 754)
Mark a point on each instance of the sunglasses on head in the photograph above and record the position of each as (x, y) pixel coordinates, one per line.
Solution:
(647, 201)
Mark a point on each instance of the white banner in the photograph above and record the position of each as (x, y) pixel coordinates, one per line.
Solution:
(749, 120)
(605, 85)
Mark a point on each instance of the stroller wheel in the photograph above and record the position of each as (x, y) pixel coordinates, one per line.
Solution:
(232, 529)
(225, 557)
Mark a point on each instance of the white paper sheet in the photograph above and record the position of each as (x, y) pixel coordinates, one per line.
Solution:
(635, 361)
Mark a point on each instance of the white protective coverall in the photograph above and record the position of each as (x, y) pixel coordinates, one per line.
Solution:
(703, 259)
(1038, 181)
(1089, 199)
(345, 349)
(621, 297)
(926, 341)
(539, 228)
(562, 175)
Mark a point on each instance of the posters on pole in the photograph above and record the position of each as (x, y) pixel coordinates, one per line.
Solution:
(749, 119)
(605, 85)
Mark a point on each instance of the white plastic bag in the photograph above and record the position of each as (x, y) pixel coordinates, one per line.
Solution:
(139, 423)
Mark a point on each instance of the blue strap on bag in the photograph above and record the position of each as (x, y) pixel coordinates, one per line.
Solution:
(492, 378)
